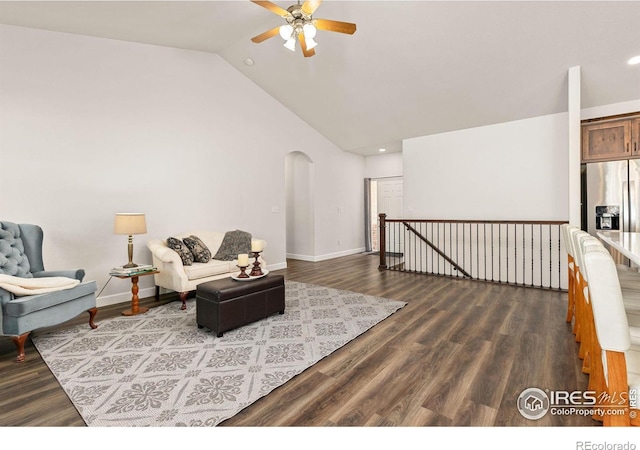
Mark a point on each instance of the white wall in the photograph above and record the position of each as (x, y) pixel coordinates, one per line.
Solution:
(515, 170)
(384, 165)
(90, 127)
(300, 187)
(339, 205)
(631, 106)
(574, 130)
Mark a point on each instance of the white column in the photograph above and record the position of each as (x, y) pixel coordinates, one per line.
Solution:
(574, 146)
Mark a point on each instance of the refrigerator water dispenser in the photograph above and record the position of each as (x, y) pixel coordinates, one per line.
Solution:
(608, 217)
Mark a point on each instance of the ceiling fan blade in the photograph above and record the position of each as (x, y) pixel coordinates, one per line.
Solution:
(272, 7)
(303, 46)
(266, 35)
(334, 25)
(310, 6)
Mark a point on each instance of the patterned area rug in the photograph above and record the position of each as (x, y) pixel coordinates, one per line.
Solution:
(159, 369)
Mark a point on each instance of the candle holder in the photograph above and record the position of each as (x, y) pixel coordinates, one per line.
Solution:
(242, 273)
(256, 271)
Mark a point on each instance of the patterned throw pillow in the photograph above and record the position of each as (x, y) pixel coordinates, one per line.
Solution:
(200, 251)
(178, 246)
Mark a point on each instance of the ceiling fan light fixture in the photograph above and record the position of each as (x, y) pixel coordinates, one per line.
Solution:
(286, 31)
(291, 44)
(300, 25)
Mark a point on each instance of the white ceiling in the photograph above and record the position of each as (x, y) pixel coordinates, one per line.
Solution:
(412, 68)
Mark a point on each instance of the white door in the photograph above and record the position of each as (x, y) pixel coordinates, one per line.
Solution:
(390, 202)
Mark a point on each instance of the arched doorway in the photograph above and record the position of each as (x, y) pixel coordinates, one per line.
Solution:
(300, 211)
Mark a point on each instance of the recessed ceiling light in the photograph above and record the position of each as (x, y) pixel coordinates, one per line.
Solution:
(248, 62)
(382, 150)
(635, 60)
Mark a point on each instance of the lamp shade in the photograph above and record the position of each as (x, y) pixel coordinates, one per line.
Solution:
(130, 223)
(291, 44)
(286, 31)
(309, 31)
(310, 43)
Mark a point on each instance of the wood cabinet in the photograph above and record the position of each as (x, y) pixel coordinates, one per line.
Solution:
(635, 136)
(611, 139)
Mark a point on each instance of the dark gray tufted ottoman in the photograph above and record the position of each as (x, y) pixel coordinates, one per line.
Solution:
(225, 304)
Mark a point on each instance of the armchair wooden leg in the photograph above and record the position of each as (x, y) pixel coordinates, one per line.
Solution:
(92, 315)
(19, 342)
(183, 297)
(157, 293)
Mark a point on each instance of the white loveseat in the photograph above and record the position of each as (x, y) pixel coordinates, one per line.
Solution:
(177, 277)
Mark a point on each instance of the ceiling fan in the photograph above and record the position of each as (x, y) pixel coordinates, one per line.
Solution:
(301, 25)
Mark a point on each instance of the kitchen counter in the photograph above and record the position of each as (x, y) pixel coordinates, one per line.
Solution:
(625, 242)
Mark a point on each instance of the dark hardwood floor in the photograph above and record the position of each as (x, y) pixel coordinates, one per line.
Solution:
(459, 354)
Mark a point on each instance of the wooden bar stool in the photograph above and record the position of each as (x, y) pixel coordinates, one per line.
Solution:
(568, 245)
(580, 283)
(584, 241)
(616, 365)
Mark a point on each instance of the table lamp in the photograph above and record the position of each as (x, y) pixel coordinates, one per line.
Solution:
(130, 224)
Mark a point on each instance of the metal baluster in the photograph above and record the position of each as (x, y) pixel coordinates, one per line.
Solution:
(532, 265)
(399, 252)
(393, 250)
(415, 249)
(407, 247)
(389, 250)
(421, 247)
(492, 257)
(524, 257)
(434, 263)
(477, 250)
(389, 247)
(484, 236)
(550, 258)
(430, 256)
(515, 253)
(540, 255)
(507, 251)
(449, 252)
(559, 259)
(500, 253)
(438, 247)
(465, 247)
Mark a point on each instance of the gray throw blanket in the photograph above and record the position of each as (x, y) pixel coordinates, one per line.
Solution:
(234, 243)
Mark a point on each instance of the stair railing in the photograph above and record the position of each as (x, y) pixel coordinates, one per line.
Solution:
(527, 253)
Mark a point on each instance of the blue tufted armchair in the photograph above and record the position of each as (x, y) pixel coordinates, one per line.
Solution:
(21, 256)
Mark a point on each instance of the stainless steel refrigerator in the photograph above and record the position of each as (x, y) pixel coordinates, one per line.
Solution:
(612, 196)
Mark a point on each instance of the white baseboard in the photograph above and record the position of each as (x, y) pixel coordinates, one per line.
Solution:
(123, 297)
(300, 257)
(277, 266)
(325, 256)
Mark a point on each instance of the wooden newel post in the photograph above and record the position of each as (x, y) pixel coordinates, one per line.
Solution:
(382, 239)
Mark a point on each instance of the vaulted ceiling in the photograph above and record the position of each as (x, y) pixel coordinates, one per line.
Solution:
(412, 68)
